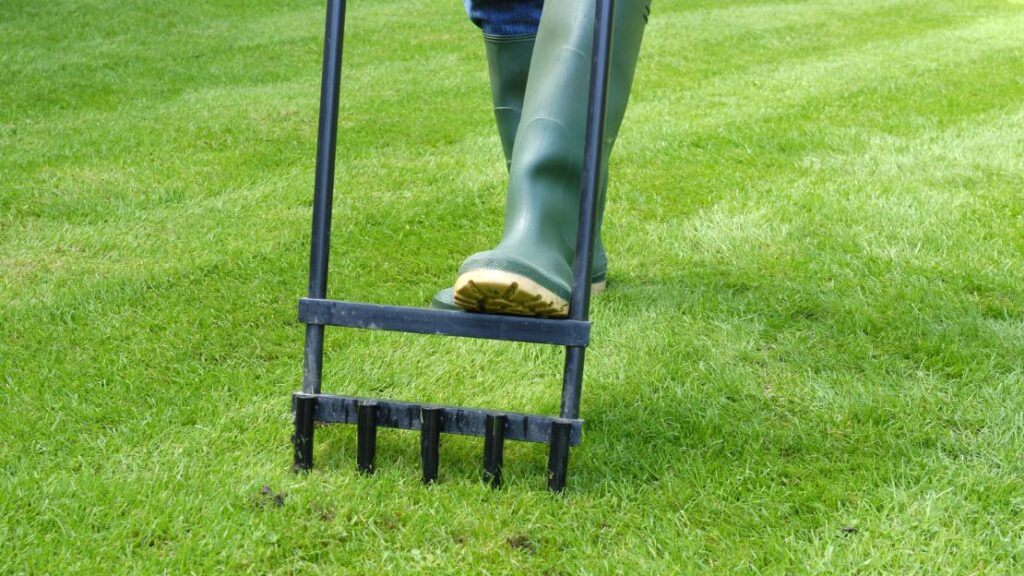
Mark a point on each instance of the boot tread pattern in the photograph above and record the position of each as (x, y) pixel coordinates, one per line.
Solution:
(499, 292)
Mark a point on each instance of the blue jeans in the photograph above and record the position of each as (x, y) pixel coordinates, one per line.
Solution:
(505, 17)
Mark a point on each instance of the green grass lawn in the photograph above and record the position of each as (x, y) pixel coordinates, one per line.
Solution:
(810, 360)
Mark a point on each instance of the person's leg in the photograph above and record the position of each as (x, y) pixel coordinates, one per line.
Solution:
(529, 272)
(509, 30)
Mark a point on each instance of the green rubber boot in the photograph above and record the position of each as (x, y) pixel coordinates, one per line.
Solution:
(530, 271)
(508, 62)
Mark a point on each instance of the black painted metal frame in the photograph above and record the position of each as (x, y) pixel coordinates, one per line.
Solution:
(317, 312)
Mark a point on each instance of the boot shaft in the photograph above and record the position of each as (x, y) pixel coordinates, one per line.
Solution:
(508, 64)
(548, 157)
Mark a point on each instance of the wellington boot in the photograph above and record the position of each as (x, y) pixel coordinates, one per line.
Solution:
(530, 271)
(508, 63)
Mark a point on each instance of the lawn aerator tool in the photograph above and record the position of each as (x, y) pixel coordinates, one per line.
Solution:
(431, 420)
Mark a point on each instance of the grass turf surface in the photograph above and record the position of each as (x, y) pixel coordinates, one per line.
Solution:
(810, 359)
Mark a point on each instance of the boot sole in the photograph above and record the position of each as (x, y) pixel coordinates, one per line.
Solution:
(499, 292)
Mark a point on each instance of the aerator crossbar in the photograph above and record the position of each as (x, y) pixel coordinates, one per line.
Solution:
(368, 414)
(425, 321)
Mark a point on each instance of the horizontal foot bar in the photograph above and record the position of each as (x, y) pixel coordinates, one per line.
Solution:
(427, 321)
(454, 420)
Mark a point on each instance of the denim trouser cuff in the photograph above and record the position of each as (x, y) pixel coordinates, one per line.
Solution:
(501, 18)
